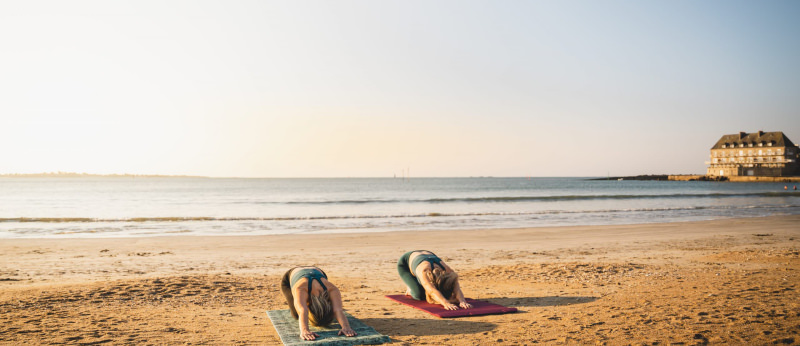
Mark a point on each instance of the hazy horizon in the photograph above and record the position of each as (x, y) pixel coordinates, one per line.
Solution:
(146, 175)
(373, 89)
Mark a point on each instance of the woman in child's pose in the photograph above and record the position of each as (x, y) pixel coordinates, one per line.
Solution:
(428, 278)
(311, 297)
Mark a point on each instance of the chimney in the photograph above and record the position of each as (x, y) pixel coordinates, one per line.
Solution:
(760, 133)
(742, 134)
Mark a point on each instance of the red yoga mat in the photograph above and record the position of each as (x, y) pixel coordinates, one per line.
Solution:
(479, 307)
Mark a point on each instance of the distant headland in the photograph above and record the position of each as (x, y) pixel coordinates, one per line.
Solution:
(90, 175)
(637, 177)
(701, 177)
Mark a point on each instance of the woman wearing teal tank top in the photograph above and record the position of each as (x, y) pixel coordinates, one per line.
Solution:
(311, 297)
(428, 278)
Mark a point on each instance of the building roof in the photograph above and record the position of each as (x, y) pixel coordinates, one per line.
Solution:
(778, 139)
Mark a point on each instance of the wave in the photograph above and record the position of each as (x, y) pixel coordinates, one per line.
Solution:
(536, 198)
(385, 216)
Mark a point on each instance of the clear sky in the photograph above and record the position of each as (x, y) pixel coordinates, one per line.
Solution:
(372, 88)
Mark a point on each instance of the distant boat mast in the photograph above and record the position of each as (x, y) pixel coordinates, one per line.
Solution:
(405, 174)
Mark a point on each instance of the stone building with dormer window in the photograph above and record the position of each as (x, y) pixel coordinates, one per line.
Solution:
(765, 154)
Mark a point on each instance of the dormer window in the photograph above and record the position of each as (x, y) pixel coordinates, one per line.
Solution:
(761, 144)
(770, 143)
(741, 145)
(750, 144)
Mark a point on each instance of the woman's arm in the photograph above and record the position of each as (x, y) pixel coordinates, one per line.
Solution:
(338, 310)
(429, 287)
(457, 289)
(460, 296)
(300, 298)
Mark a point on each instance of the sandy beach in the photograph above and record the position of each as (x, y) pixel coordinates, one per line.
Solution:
(725, 281)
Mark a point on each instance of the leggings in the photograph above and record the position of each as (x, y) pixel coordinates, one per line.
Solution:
(417, 291)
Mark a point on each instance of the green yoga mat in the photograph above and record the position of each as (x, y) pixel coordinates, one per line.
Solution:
(289, 331)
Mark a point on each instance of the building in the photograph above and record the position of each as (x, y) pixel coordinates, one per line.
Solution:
(768, 154)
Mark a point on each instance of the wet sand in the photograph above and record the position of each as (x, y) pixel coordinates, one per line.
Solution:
(727, 281)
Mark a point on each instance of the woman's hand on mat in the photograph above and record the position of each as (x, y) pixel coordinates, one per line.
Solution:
(449, 306)
(347, 332)
(308, 335)
(465, 305)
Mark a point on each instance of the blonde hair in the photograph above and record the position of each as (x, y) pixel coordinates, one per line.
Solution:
(444, 282)
(320, 310)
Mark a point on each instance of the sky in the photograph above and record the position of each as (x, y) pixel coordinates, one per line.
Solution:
(390, 88)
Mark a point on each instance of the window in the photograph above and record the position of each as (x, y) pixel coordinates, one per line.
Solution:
(741, 152)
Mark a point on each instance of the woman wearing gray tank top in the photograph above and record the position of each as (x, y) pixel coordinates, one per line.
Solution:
(428, 278)
(311, 297)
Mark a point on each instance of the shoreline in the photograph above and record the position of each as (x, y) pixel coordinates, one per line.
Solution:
(325, 232)
(722, 281)
(78, 252)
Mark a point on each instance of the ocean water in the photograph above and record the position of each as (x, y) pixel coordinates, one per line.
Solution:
(131, 207)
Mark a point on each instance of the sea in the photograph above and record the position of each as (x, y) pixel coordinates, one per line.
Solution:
(95, 207)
